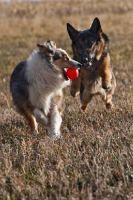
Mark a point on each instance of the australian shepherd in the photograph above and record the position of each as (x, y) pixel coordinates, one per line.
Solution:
(36, 86)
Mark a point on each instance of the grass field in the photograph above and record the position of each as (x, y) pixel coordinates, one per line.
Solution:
(94, 158)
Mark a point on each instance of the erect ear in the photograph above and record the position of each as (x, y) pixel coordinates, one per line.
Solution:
(72, 31)
(96, 26)
(48, 47)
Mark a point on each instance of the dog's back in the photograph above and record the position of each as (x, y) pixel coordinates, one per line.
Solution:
(19, 86)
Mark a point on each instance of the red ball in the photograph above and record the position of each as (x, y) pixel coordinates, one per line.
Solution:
(72, 73)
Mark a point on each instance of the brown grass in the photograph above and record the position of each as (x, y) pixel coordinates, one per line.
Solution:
(94, 157)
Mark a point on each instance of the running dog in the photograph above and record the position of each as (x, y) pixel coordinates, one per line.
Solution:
(36, 86)
(91, 49)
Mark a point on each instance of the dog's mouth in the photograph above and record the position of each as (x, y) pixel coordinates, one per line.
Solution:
(89, 60)
(88, 64)
(64, 74)
(71, 77)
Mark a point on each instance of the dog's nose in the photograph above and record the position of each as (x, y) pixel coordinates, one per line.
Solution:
(84, 60)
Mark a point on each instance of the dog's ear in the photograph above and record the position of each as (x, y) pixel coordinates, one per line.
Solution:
(48, 47)
(96, 26)
(40, 45)
(72, 31)
(42, 48)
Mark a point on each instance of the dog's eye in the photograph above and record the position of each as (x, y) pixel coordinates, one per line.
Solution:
(51, 52)
(65, 57)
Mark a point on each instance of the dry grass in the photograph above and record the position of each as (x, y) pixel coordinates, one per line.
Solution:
(94, 158)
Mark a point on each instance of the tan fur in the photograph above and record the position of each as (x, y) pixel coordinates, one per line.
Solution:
(100, 47)
(29, 116)
(105, 71)
(94, 79)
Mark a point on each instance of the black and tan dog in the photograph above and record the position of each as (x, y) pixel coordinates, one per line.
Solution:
(91, 49)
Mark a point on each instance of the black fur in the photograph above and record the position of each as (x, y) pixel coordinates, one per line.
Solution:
(19, 84)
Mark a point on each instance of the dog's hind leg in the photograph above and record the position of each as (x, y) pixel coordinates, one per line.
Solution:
(28, 114)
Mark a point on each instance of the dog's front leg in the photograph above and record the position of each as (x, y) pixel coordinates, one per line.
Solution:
(75, 87)
(55, 123)
(85, 99)
(105, 72)
(107, 94)
(40, 117)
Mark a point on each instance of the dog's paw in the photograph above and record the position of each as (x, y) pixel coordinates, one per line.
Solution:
(74, 94)
(109, 106)
(55, 137)
(83, 108)
(35, 132)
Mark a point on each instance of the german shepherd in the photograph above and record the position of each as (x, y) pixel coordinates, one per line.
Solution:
(36, 86)
(91, 49)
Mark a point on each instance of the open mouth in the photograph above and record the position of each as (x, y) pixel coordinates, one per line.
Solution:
(65, 76)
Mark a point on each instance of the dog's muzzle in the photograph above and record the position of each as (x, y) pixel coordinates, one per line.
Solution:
(88, 61)
(88, 64)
